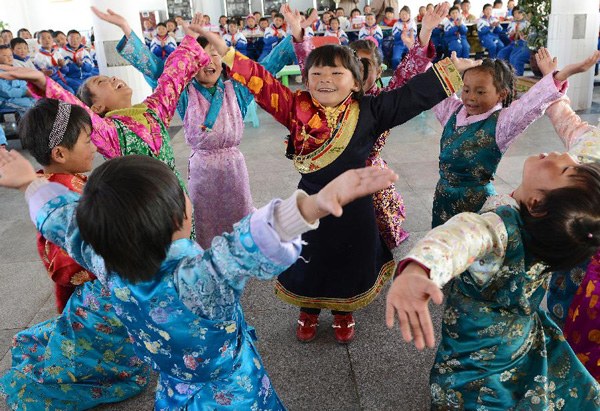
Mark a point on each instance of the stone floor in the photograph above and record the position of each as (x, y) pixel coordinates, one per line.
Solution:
(377, 371)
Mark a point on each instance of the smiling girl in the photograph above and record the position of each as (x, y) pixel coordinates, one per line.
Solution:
(480, 126)
(333, 127)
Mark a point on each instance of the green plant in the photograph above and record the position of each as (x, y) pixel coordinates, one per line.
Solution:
(538, 12)
(3, 25)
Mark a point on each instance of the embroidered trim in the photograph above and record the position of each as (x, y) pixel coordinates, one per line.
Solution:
(333, 147)
(338, 304)
(448, 75)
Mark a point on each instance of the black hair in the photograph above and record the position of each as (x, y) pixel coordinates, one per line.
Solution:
(389, 10)
(456, 3)
(21, 31)
(39, 33)
(278, 15)
(503, 75)
(497, 2)
(129, 210)
(17, 40)
(465, 1)
(330, 55)
(56, 33)
(4, 47)
(35, 127)
(161, 24)
(334, 18)
(563, 230)
(263, 19)
(371, 47)
(517, 8)
(486, 5)
(406, 9)
(203, 41)
(453, 8)
(355, 10)
(73, 31)
(171, 21)
(5, 31)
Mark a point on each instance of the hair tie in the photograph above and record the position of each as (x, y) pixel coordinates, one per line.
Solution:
(590, 235)
(60, 124)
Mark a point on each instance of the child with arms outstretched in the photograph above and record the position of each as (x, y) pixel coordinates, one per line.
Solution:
(345, 263)
(499, 349)
(158, 279)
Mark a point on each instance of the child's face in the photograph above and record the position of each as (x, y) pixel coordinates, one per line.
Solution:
(206, 20)
(326, 18)
(454, 14)
(374, 70)
(251, 23)
(518, 15)
(79, 158)
(171, 26)
(233, 28)
(334, 24)
(25, 34)
(404, 16)
(21, 50)
(147, 24)
(223, 21)
(429, 8)
(510, 4)
(339, 13)
(465, 7)
(367, 9)
(479, 94)
(545, 172)
(60, 40)
(422, 11)
(263, 24)
(331, 85)
(370, 20)
(487, 12)
(6, 57)
(209, 75)
(109, 93)
(46, 40)
(7, 37)
(74, 40)
(179, 20)
(161, 30)
(354, 14)
(278, 22)
(389, 15)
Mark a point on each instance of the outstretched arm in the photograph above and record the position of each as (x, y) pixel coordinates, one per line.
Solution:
(104, 134)
(444, 253)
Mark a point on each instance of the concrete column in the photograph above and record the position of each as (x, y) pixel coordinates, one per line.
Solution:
(572, 36)
(107, 36)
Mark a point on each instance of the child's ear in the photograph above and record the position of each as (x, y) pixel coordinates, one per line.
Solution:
(503, 95)
(98, 109)
(58, 155)
(532, 204)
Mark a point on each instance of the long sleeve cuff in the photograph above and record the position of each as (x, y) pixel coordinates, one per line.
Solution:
(229, 57)
(288, 222)
(39, 192)
(448, 75)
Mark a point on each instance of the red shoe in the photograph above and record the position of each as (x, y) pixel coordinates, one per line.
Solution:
(343, 325)
(307, 327)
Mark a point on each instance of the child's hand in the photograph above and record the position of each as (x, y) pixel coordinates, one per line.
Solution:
(432, 19)
(580, 67)
(15, 170)
(408, 297)
(407, 39)
(545, 62)
(33, 76)
(195, 27)
(114, 18)
(344, 189)
(293, 20)
(314, 16)
(463, 65)
(216, 41)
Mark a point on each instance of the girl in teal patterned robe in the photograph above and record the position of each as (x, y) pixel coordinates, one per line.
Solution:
(499, 349)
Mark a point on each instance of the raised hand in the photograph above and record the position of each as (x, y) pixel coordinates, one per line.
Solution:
(15, 170)
(580, 67)
(344, 189)
(195, 28)
(33, 76)
(463, 65)
(408, 299)
(546, 63)
(113, 18)
(431, 20)
(314, 16)
(293, 20)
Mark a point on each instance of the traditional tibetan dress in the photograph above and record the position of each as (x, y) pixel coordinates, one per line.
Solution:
(345, 263)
